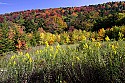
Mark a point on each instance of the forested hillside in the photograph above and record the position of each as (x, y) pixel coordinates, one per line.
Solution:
(92, 17)
(64, 45)
(100, 20)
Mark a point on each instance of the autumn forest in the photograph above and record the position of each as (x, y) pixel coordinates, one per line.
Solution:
(59, 42)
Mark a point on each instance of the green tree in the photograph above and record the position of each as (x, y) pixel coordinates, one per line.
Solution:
(30, 26)
(6, 44)
(20, 20)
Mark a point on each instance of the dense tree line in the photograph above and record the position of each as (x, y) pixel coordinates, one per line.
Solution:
(19, 30)
(92, 17)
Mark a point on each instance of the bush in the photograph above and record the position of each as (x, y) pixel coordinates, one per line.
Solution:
(113, 33)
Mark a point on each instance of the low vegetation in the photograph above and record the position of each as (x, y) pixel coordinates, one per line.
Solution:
(64, 45)
(100, 62)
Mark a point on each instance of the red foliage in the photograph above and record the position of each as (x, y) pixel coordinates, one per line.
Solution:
(1, 19)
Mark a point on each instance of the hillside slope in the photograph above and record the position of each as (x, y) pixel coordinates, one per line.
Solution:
(92, 17)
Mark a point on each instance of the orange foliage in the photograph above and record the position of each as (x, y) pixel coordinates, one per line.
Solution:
(101, 32)
(10, 33)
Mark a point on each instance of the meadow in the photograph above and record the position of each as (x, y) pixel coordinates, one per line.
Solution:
(88, 62)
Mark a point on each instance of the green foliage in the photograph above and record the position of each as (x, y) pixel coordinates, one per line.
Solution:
(114, 33)
(109, 21)
(121, 19)
(6, 44)
(35, 40)
(90, 62)
(57, 20)
(20, 20)
(122, 30)
(105, 22)
(41, 23)
(99, 62)
(30, 26)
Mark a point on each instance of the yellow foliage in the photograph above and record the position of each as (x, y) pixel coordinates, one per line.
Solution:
(98, 44)
(46, 43)
(30, 60)
(93, 39)
(13, 57)
(86, 45)
(51, 48)
(77, 58)
(101, 32)
(27, 55)
(42, 35)
(107, 38)
(14, 62)
(83, 38)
